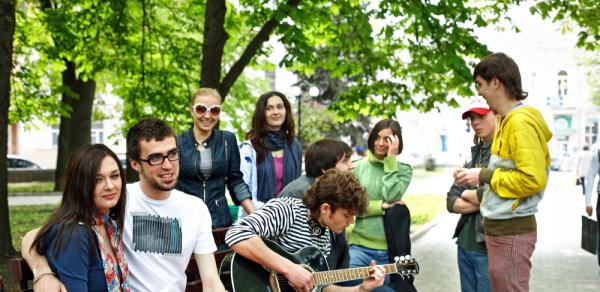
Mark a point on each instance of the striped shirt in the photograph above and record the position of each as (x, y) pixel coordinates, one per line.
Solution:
(282, 220)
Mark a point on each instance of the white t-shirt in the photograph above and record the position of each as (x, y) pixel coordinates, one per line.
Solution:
(160, 236)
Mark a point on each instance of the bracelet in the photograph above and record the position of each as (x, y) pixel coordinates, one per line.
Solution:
(36, 279)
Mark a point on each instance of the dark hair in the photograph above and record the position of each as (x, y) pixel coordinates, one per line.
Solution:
(503, 67)
(324, 154)
(146, 129)
(259, 124)
(77, 205)
(339, 190)
(382, 125)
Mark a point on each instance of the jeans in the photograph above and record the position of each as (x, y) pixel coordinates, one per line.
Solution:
(361, 256)
(473, 268)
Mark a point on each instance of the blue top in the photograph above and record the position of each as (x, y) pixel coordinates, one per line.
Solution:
(74, 265)
(224, 172)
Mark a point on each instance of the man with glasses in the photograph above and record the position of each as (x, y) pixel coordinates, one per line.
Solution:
(163, 226)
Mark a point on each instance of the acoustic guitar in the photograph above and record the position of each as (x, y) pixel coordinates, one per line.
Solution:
(243, 275)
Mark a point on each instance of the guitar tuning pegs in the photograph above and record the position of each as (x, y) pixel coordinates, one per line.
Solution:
(407, 257)
(396, 258)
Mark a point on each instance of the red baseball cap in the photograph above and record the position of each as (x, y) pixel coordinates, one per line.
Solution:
(478, 106)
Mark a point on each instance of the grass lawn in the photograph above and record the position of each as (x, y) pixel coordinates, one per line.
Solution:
(29, 187)
(8, 282)
(23, 219)
(424, 208)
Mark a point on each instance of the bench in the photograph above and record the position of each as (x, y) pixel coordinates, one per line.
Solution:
(21, 273)
(23, 276)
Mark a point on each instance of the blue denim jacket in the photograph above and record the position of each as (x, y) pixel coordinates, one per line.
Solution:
(225, 171)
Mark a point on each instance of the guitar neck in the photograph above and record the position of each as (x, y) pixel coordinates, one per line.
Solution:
(336, 276)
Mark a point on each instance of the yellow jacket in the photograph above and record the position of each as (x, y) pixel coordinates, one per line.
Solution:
(520, 162)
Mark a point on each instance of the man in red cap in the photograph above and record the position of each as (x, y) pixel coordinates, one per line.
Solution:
(461, 199)
(477, 106)
(515, 177)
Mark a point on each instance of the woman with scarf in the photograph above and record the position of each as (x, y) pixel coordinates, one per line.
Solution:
(82, 240)
(272, 156)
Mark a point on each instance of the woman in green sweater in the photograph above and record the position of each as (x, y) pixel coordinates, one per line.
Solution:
(385, 180)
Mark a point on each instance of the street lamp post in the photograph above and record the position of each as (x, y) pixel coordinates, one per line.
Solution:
(299, 92)
(300, 116)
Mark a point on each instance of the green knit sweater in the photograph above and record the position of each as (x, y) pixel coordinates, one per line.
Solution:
(385, 181)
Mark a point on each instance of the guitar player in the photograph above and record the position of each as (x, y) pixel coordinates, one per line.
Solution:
(329, 204)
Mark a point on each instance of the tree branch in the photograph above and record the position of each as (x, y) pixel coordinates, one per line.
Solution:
(261, 37)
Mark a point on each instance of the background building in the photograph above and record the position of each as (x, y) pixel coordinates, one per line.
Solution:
(554, 74)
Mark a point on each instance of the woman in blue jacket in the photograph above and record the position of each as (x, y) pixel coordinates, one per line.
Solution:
(210, 159)
(272, 156)
(82, 240)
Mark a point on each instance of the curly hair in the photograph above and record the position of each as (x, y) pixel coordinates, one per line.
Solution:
(339, 190)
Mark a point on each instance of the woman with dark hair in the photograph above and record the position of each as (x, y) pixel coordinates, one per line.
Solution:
(272, 156)
(82, 240)
(210, 160)
(385, 180)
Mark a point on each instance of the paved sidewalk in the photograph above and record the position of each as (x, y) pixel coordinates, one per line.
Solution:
(559, 263)
(37, 199)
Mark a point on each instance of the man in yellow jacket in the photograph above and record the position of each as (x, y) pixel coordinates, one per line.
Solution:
(516, 176)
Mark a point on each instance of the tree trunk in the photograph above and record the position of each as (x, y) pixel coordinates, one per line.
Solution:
(215, 37)
(7, 32)
(75, 130)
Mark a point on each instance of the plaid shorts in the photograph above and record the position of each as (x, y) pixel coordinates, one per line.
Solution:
(509, 260)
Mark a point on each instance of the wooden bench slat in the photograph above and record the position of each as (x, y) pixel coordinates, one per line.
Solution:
(219, 235)
(21, 273)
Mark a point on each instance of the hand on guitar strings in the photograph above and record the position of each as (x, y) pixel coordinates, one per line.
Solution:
(375, 280)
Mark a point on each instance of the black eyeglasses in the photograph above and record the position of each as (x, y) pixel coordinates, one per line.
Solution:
(201, 109)
(158, 159)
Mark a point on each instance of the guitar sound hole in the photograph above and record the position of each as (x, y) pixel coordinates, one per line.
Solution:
(284, 284)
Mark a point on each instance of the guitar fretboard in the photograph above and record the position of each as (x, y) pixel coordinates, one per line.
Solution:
(336, 276)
